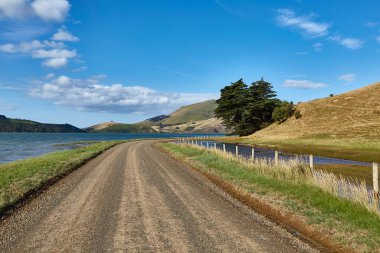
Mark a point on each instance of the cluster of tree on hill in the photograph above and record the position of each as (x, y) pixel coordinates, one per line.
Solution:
(245, 109)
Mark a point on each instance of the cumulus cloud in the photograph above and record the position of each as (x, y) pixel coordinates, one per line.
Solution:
(91, 95)
(13, 9)
(55, 54)
(304, 84)
(348, 78)
(305, 24)
(48, 10)
(350, 43)
(63, 35)
(23, 47)
(51, 10)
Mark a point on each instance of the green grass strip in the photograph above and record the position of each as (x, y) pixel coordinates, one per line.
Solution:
(320, 207)
(19, 178)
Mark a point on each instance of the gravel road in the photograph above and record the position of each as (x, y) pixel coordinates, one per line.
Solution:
(134, 198)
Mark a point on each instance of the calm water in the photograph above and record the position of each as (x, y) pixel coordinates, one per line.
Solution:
(269, 154)
(16, 146)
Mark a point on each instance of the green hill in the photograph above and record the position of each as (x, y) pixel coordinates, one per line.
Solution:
(120, 128)
(21, 125)
(194, 118)
(199, 111)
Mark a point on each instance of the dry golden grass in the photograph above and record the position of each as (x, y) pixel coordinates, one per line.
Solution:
(212, 125)
(296, 171)
(355, 114)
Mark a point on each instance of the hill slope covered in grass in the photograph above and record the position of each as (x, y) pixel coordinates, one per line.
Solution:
(195, 112)
(354, 114)
(113, 127)
(194, 118)
(21, 125)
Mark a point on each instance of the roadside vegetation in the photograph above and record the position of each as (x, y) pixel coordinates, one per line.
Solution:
(19, 179)
(337, 209)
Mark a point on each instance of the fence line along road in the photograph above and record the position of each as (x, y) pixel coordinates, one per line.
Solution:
(190, 140)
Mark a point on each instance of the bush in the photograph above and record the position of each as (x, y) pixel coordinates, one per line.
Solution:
(283, 111)
(297, 114)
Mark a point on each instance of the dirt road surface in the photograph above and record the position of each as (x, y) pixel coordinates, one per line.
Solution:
(134, 198)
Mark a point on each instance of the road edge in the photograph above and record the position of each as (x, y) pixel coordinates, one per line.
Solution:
(35, 192)
(286, 220)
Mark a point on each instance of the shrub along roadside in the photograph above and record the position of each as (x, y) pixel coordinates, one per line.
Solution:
(19, 179)
(346, 223)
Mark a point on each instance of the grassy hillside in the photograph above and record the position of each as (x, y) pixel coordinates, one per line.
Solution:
(21, 125)
(189, 113)
(100, 126)
(345, 126)
(212, 126)
(195, 118)
(125, 128)
(355, 114)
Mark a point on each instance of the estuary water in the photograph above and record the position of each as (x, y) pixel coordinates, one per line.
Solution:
(16, 146)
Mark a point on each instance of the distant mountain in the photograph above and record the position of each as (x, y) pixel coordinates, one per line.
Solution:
(194, 118)
(22, 125)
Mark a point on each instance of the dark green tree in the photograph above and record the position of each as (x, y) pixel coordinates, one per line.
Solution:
(244, 110)
(232, 103)
(282, 112)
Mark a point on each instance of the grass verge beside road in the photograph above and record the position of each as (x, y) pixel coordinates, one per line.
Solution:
(19, 179)
(307, 208)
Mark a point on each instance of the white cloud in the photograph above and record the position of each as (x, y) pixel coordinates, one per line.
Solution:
(348, 78)
(55, 54)
(55, 58)
(63, 35)
(23, 47)
(305, 24)
(55, 62)
(51, 10)
(318, 46)
(91, 95)
(48, 10)
(13, 9)
(304, 84)
(350, 43)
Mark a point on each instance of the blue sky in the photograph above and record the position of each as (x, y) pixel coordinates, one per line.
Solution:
(85, 62)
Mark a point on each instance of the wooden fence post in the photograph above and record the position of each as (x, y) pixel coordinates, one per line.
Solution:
(215, 145)
(276, 157)
(375, 178)
(311, 161)
(237, 150)
(253, 154)
(207, 144)
(224, 148)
